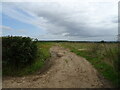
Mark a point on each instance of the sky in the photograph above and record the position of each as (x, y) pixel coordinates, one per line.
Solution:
(81, 20)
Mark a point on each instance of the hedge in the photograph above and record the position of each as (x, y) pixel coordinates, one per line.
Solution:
(18, 51)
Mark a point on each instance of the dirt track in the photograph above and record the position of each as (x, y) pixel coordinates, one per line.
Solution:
(67, 71)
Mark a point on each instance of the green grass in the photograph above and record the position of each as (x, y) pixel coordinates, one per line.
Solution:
(43, 54)
(96, 54)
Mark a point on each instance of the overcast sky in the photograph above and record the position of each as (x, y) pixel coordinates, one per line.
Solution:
(61, 19)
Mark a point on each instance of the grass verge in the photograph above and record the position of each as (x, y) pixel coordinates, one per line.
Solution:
(97, 61)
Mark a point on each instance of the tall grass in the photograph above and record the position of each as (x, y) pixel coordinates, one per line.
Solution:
(107, 51)
(103, 56)
(109, 54)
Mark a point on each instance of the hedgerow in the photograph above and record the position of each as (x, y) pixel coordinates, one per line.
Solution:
(18, 51)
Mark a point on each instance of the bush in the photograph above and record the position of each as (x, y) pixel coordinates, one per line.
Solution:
(18, 51)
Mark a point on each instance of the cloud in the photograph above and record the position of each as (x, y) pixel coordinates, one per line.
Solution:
(57, 0)
(65, 34)
(5, 28)
(73, 19)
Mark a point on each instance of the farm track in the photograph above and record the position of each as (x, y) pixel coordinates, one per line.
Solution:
(67, 71)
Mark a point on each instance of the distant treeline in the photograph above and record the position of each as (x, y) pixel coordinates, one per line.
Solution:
(102, 41)
(79, 41)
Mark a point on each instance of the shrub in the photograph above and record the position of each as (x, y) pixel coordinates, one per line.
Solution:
(18, 51)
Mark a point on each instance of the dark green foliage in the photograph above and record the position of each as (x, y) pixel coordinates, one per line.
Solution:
(102, 41)
(17, 51)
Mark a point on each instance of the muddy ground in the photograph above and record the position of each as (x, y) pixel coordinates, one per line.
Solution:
(67, 71)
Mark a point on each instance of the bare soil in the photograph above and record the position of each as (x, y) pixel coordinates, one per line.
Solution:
(67, 71)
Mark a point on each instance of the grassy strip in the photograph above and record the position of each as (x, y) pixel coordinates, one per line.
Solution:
(105, 69)
(43, 54)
